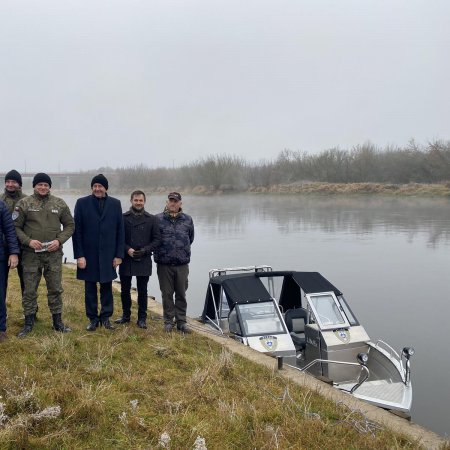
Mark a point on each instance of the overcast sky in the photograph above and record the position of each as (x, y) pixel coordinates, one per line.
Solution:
(85, 84)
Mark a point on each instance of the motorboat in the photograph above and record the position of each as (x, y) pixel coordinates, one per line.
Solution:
(311, 327)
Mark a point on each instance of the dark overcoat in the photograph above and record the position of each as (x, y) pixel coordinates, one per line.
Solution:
(141, 233)
(98, 237)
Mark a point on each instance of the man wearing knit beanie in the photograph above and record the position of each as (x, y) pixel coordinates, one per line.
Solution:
(100, 179)
(42, 235)
(42, 178)
(15, 176)
(98, 216)
(12, 194)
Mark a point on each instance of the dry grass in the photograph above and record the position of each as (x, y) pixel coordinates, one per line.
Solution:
(411, 189)
(143, 389)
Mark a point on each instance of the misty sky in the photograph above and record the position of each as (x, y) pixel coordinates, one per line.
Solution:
(85, 84)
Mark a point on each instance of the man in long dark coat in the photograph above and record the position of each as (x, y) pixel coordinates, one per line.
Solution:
(142, 237)
(98, 246)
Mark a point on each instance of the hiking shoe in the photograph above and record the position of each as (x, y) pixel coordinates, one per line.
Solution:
(184, 329)
(168, 327)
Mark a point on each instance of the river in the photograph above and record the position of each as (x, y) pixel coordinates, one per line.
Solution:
(389, 256)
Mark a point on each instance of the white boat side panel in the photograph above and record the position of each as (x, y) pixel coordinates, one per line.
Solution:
(276, 343)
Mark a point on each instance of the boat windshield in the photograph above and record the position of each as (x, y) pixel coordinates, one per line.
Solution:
(327, 311)
(260, 318)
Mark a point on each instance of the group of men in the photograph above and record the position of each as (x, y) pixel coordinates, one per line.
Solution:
(34, 228)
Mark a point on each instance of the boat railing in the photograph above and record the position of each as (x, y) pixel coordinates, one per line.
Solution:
(364, 368)
(387, 347)
(227, 270)
(214, 324)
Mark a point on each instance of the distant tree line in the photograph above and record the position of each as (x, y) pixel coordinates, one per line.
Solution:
(362, 164)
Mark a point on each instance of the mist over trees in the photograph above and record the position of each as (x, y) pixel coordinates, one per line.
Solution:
(364, 163)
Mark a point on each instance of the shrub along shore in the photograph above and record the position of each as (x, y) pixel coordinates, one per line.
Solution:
(144, 389)
(304, 188)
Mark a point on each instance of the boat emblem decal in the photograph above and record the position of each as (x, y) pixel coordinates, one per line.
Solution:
(270, 343)
(343, 335)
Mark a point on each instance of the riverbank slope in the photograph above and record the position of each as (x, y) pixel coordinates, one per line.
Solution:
(135, 388)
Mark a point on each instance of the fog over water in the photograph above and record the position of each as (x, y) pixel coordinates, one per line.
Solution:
(389, 256)
(93, 83)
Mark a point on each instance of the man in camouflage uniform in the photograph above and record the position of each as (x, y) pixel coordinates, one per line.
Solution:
(12, 194)
(38, 219)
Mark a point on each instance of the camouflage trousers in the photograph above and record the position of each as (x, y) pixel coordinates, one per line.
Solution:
(34, 265)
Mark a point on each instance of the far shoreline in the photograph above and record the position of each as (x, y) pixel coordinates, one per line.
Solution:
(299, 188)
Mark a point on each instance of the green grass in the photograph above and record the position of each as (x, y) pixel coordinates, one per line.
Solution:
(133, 388)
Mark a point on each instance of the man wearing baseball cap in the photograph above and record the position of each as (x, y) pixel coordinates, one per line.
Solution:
(172, 258)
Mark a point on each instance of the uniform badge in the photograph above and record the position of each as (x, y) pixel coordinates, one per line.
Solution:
(270, 343)
(343, 335)
(15, 213)
(54, 211)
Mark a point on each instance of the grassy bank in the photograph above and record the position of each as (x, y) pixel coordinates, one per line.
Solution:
(406, 190)
(143, 389)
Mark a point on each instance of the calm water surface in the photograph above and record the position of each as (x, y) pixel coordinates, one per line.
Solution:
(390, 257)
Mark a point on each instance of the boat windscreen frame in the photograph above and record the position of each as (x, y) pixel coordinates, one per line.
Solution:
(319, 317)
(239, 306)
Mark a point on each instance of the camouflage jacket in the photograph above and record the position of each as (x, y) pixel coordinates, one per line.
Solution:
(40, 218)
(12, 199)
(177, 235)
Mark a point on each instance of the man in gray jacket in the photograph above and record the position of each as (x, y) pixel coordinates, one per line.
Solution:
(173, 257)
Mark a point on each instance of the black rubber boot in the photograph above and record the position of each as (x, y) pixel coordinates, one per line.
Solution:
(28, 326)
(58, 324)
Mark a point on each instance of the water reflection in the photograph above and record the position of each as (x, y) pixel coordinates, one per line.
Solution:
(227, 217)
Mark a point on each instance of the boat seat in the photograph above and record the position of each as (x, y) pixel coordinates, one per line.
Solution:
(296, 319)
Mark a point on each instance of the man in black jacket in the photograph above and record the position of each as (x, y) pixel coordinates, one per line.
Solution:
(142, 237)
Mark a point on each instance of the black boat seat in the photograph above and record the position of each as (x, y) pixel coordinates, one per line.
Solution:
(296, 319)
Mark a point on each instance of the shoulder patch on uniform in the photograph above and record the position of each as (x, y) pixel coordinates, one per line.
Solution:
(15, 214)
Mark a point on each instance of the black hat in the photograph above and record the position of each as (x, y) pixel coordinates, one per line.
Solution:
(14, 175)
(42, 177)
(100, 179)
(175, 196)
